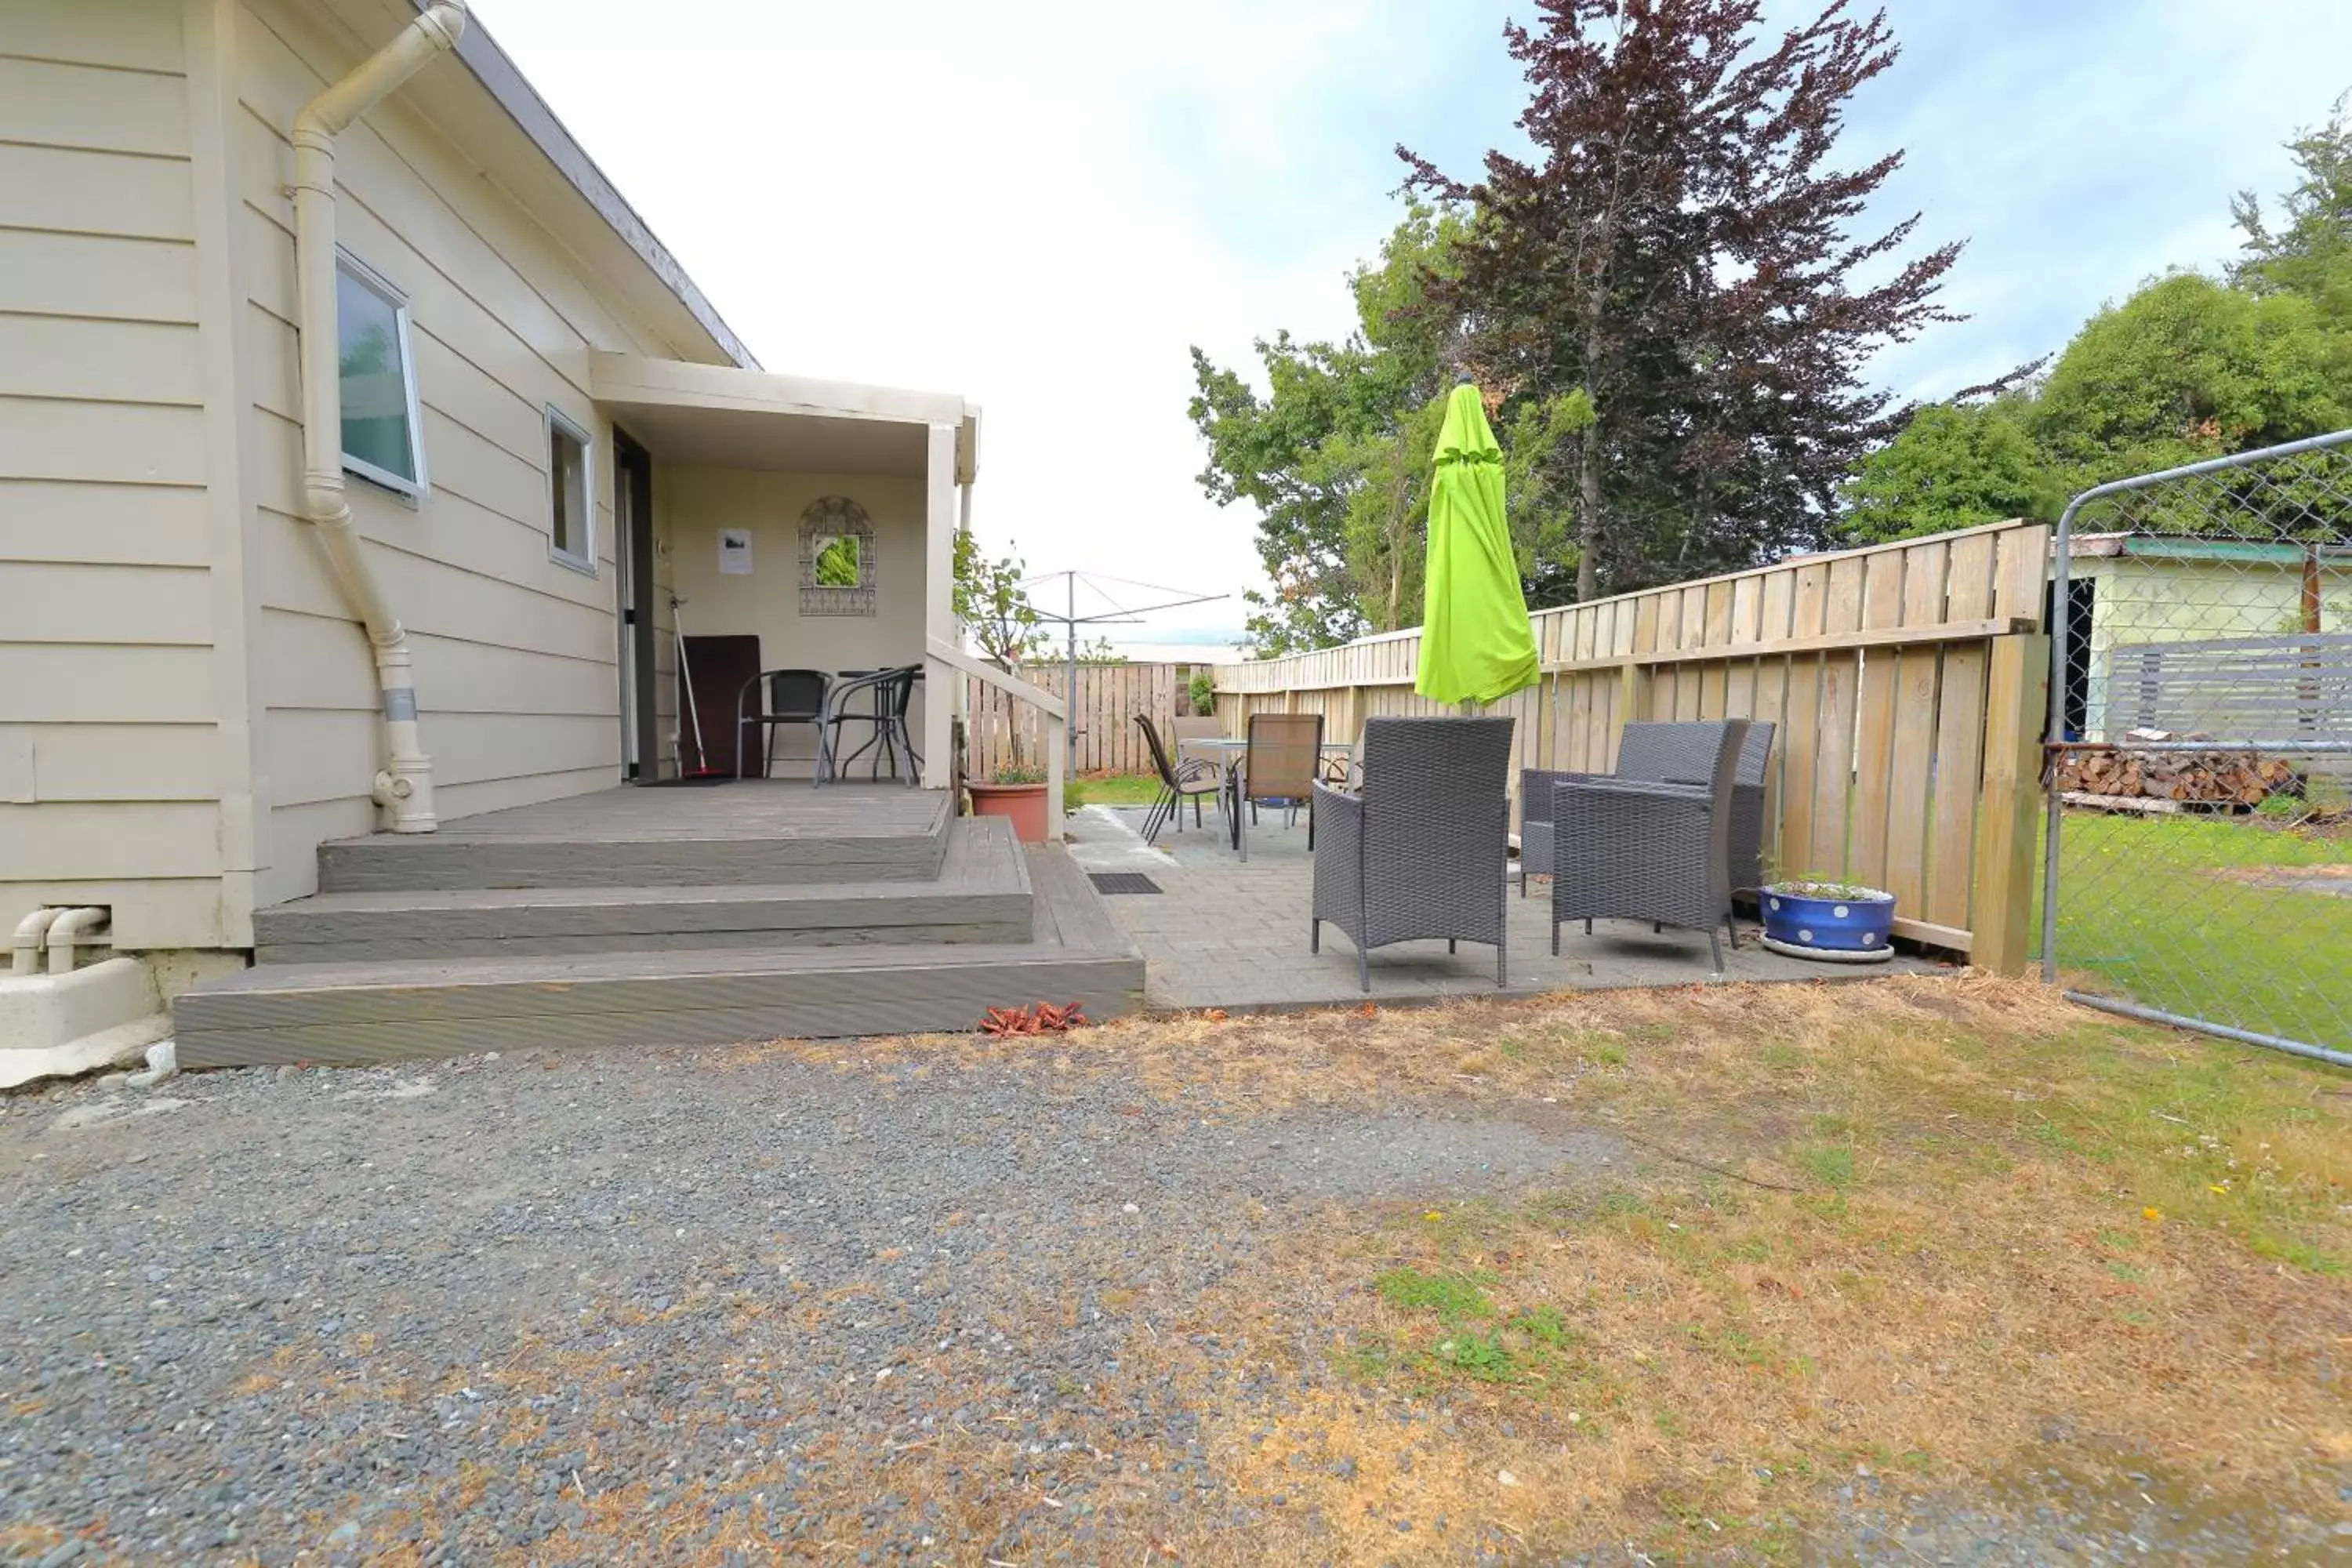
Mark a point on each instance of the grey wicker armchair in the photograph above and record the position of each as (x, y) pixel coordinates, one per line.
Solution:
(1419, 852)
(1632, 848)
(1748, 809)
(1649, 751)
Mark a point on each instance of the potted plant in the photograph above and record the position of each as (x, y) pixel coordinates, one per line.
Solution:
(1017, 793)
(1836, 923)
(998, 616)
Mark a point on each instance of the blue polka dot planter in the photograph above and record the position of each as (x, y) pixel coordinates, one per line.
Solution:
(1835, 925)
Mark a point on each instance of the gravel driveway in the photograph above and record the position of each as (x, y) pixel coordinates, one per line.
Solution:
(318, 1315)
(716, 1307)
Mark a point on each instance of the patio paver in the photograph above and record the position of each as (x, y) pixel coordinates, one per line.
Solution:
(1223, 934)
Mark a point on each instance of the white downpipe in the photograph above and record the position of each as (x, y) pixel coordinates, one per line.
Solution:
(32, 932)
(404, 786)
(71, 930)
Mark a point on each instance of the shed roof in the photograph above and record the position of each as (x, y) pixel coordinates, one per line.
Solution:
(2194, 547)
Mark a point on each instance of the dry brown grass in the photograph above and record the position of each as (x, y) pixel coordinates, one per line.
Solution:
(1928, 1228)
(1995, 1227)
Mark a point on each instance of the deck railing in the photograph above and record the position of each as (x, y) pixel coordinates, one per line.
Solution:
(1908, 682)
(1055, 712)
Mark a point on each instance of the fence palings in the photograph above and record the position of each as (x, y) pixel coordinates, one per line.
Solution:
(1103, 716)
(1905, 681)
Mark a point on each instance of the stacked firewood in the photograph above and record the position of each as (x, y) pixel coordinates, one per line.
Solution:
(2150, 765)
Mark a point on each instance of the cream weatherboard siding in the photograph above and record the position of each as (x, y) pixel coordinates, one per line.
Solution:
(110, 767)
(515, 654)
(186, 705)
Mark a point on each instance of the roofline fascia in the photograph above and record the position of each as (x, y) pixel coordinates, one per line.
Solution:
(505, 82)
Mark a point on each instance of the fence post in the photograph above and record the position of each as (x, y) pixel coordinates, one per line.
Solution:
(1632, 697)
(2017, 704)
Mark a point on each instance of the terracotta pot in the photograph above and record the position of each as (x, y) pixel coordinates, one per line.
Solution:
(1023, 804)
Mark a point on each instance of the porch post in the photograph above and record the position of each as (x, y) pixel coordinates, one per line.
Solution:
(939, 599)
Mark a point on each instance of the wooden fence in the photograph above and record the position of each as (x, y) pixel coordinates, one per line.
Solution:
(1908, 681)
(1103, 716)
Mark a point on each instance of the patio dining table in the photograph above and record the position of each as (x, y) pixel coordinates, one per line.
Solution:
(1228, 752)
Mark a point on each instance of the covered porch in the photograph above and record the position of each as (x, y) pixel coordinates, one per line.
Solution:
(771, 522)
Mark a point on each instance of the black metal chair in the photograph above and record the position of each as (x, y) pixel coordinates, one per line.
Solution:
(1418, 852)
(1191, 779)
(792, 697)
(1644, 848)
(879, 698)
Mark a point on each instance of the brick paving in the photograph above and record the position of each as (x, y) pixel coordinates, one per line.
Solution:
(1224, 934)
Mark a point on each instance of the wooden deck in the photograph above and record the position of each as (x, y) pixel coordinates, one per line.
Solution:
(980, 895)
(666, 917)
(746, 832)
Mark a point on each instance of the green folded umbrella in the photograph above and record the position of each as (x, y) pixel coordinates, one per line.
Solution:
(1476, 643)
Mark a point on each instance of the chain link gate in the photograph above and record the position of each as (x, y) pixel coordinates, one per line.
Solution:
(2197, 860)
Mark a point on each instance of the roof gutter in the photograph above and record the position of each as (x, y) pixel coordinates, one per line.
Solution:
(498, 76)
(403, 786)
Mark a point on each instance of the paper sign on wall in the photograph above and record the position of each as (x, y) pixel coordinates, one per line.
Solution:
(734, 553)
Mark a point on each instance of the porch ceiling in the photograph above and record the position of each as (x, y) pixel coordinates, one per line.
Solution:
(750, 419)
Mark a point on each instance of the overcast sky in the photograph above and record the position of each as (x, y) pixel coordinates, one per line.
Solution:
(1043, 206)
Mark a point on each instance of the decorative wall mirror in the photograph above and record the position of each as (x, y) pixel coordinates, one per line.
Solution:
(836, 558)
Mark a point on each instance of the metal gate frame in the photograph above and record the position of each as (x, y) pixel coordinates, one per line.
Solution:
(2054, 742)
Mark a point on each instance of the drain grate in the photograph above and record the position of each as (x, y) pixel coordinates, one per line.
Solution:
(1122, 882)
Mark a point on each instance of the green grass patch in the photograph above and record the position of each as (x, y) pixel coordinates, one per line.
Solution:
(1455, 1297)
(1459, 1333)
(1830, 1164)
(2173, 912)
(1111, 789)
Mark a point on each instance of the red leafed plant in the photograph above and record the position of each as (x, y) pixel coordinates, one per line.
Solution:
(1044, 1018)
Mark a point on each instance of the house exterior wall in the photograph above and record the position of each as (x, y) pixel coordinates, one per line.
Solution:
(515, 654)
(187, 707)
(111, 607)
(2137, 600)
(694, 503)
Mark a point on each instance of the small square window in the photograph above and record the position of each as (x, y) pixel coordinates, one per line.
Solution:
(383, 435)
(571, 533)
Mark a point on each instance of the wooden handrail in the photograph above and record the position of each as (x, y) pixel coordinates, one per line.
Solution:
(1057, 712)
(1004, 680)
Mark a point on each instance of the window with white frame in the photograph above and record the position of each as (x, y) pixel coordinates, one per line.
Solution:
(571, 534)
(383, 435)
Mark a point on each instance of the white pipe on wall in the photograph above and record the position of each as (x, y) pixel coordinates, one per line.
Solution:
(31, 933)
(404, 786)
(69, 931)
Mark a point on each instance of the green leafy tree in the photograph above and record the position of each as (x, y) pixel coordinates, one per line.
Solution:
(2309, 250)
(2190, 368)
(1683, 247)
(1332, 415)
(1337, 454)
(993, 605)
(1955, 465)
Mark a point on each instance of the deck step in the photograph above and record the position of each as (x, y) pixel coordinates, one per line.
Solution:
(752, 833)
(349, 1013)
(982, 895)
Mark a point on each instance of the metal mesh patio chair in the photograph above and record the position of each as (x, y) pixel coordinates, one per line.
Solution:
(1188, 778)
(1195, 727)
(1419, 852)
(792, 697)
(880, 699)
(1278, 768)
(1632, 848)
